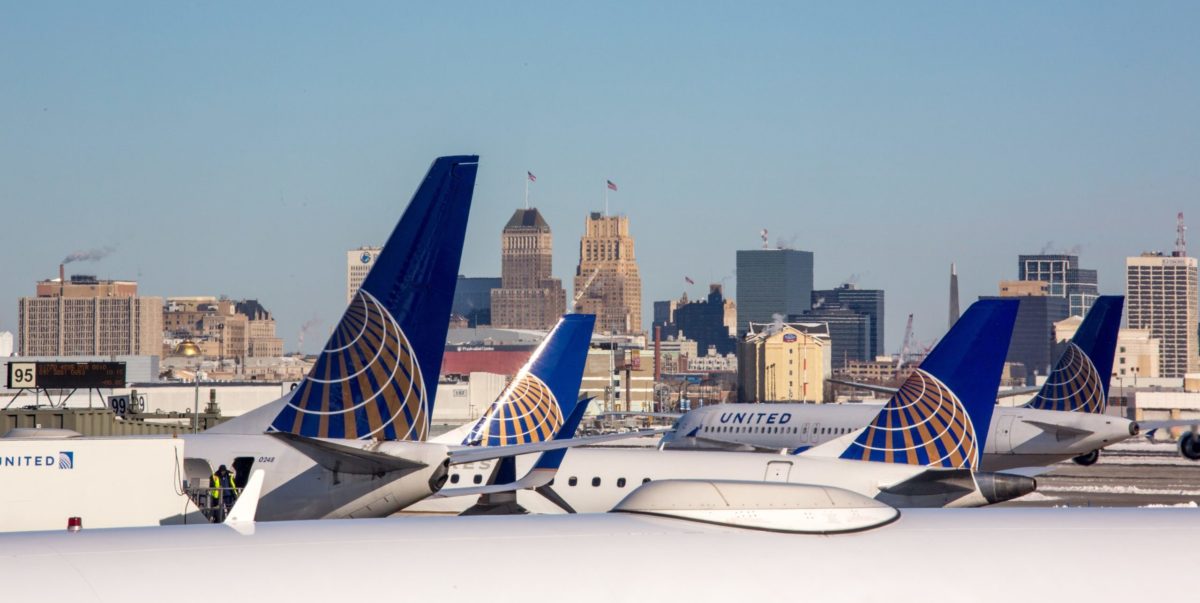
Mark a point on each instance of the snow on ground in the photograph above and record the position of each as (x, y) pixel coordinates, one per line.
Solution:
(1189, 504)
(1119, 490)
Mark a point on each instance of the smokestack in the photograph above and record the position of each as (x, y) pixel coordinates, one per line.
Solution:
(62, 280)
(658, 354)
(953, 294)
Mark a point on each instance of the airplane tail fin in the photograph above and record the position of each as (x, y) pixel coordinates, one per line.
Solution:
(1079, 381)
(941, 414)
(534, 407)
(377, 376)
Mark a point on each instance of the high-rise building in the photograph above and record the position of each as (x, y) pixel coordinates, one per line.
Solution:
(1032, 341)
(705, 322)
(89, 317)
(214, 325)
(770, 282)
(953, 296)
(1161, 296)
(849, 332)
(607, 282)
(869, 302)
(473, 299)
(358, 264)
(529, 296)
(1066, 279)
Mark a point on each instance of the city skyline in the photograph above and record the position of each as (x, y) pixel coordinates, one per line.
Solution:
(233, 156)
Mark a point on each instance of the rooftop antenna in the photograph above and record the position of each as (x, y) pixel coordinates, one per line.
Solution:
(1180, 237)
(766, 243)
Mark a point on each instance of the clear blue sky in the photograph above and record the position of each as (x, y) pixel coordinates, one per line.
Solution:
(241, 148)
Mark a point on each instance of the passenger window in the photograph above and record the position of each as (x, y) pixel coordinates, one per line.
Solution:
(620, 482)
(595, 482)
(478, 478)
(645, 480)
(574, 480)
(454, 478)
(550, 483)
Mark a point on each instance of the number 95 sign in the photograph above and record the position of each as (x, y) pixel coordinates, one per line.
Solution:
(22, 375)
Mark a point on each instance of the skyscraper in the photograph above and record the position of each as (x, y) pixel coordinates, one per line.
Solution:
(849, 332)
(607, 282)
(704, 322)
(358, 264)
(473, 299)
(953, 296)
(1066, 278)
(1033, 332)
(529, 296)
(770, 282)
(1161, 296)
(868, 302)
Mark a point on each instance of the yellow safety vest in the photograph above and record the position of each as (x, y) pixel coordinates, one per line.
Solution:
(215, 486)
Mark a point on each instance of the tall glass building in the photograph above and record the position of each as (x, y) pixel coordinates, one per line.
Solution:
(1066, 278)
(770, 282)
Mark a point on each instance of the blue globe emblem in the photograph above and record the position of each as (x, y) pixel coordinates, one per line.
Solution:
(365, 258)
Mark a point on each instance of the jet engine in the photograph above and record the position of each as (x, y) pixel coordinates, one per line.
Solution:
(1189, 446)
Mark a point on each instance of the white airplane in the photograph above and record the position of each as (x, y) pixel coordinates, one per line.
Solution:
(922, 444)
(1065, 420)
(694, 541)
(349, 440)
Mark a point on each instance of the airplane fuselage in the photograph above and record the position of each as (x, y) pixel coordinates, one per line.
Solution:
(1017, 437)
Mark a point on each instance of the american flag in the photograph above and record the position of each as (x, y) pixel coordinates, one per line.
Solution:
(689, 280)
(531, 177)
(611, 186)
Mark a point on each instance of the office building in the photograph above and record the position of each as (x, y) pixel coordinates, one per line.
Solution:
(1065, 278)
(529, 296)
(473, 299)
(1161, 297)
(607, 282)
(1033, 333)
(707, 322)
(849, 332)
(772, 282)
(358, 264)
(261, 341)
(1020, 288)
(89, 317)
(1136, 354)
(868, 302)
(782, 362)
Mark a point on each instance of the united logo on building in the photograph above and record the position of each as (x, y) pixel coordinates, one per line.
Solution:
(66, 459)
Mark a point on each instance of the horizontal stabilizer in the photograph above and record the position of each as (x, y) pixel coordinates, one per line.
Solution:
(346, 459)
(1061, 432)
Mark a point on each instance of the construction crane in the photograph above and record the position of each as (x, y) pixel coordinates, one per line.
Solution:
(908, 333)
(584, 288)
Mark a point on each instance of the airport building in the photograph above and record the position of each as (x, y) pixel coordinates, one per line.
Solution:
(89, 317)
(772, 282)
(358, 264)
(473, 299)
(783, 362)
(868, 302)
(529, 297)
(1161, 296)
(1064, 278)
(607, 282)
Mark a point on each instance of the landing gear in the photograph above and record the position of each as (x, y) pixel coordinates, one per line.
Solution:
(1088, 459)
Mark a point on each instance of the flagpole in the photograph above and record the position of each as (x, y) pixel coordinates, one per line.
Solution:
(605, 198)
(526, 191)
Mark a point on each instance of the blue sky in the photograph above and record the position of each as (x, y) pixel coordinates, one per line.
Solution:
(224, 148)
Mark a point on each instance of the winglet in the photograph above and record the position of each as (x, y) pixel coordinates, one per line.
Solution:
(941, 414)
(544, 392)
(246, 507)
(1079, 381)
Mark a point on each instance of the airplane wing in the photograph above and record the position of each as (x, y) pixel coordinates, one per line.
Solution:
(470, 454)
(630, 413)
(716, 444)
(345, 459)
(883, 389)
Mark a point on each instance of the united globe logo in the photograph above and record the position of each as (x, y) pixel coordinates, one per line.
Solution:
(527, 412)
(66, 459)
